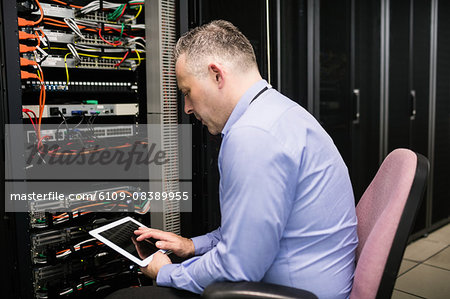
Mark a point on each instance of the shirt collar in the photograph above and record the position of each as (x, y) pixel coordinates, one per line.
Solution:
(243, 104)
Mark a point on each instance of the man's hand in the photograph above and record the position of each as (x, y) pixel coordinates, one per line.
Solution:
(159, 260)
(182, 247)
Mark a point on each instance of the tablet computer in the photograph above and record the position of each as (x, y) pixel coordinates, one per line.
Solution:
(119, 235)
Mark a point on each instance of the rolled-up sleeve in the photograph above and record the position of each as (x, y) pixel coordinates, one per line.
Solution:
(205, 243)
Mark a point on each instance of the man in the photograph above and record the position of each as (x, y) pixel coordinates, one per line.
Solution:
(286, 200)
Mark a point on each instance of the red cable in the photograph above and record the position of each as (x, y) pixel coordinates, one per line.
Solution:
(123, 11)
(31, 119)
(40, 143)
(31, 111)
(107, 27)
(109, 43)
(123, 59)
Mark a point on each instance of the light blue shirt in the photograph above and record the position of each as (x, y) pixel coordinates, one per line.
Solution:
(286, 201)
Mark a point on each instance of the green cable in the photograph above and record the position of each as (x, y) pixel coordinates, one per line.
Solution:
(121, 32)
(113, 16)
(116, 13)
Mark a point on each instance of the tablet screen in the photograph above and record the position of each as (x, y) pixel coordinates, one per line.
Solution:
(123, 236)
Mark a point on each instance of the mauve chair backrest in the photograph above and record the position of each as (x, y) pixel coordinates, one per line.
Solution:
(379, 211)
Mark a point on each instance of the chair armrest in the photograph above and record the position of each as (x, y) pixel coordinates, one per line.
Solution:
(248, 290)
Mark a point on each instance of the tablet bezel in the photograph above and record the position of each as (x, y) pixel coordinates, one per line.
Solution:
(96, 234)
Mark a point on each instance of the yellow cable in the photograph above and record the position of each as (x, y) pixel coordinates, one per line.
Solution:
(109, 57)
(67, 69)
(104, 57)
(55, 48)
(96, 56)
(137, 15)
(139, 57)
(88, 55)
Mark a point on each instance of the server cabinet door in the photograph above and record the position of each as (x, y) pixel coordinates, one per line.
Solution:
(409, 79)
(293, 20)
(400, 75)
(348, 99)
(420, 91)
(441, 175)
(365, 93)
(334, 109)
(420, 94)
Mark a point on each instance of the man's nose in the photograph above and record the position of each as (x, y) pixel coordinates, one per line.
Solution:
(188, 108)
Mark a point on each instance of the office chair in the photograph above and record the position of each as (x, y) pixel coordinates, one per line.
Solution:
(386, 214)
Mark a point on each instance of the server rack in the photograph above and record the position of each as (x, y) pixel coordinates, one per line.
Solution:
(376, 81)
(90, 61)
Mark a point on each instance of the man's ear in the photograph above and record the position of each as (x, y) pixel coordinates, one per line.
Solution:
(217, 74)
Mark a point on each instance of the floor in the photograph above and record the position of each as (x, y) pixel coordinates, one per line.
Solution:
(425, 269)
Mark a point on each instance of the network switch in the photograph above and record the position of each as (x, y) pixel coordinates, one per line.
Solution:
(88, 63)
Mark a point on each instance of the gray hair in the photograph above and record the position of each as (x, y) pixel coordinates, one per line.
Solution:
(219, 39)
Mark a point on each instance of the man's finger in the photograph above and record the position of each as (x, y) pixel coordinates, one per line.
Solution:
(143, 228)
(155, 234)
(165, 245)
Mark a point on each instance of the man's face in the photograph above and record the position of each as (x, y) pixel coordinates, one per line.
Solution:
(201, 97)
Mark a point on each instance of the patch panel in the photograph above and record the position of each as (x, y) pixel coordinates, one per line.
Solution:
(95, 40)
(83, 86)
(88, 63)
(113, 132)
(96, 63)
(63, 37)
(102, 17)
(99, 132)
(85, 109)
